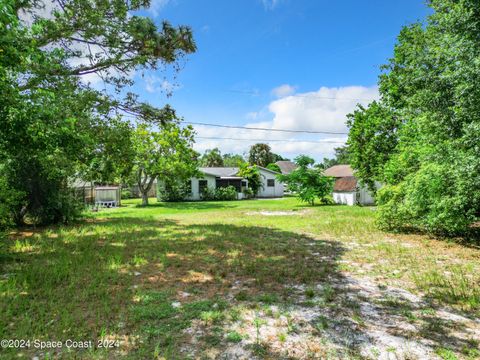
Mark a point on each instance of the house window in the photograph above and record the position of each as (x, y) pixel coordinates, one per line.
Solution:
(223, 183)
(202, 185)
(270, 182)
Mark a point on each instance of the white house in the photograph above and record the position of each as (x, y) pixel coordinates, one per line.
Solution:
(271, 187)
(214, 177)
(347, 189)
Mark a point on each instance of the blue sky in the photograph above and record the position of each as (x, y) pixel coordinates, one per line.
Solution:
(290, 64)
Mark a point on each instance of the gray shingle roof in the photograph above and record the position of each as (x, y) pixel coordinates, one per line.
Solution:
(339, 171)
(220, 171)
(286, 167)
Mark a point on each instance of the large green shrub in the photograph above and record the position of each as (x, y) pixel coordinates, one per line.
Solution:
(221, 194)
(208, 194)
(421, 139)
(173, 191)
(226, 193)
(9, 198)
(252, 174)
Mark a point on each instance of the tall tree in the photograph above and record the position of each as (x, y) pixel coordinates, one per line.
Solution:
(233, 160)
(166, 156)
(212, 158)
(308, 181)
(261, 155)
(421, 139)
(253, 176)
(51, 119)
(342, 157)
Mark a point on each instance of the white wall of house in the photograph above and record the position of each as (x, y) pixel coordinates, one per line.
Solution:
(271, 187)
(365, 197)
(196, 186)
(344, 197)
(362, 196)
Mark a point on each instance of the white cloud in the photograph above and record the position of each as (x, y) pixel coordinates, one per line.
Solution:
(41, 9)
(155, 84)
(322, 110)
(270, 4)
(283, 90)
(156, 6)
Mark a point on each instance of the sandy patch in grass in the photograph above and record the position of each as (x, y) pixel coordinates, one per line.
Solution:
(361, 318)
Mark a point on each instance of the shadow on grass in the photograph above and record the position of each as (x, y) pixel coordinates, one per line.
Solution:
(178, 290)
(191, 205)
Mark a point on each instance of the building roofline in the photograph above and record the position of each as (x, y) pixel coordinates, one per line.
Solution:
(266, 169)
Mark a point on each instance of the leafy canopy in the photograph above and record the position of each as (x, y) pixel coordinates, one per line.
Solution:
(252, 174)
(212, 158)
(56, 127)
(166, 155)
(421, 140)
(261, 155)
(307, 181)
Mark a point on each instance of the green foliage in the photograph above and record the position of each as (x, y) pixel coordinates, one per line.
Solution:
(307, 181)
(248, 193)
(261, 155)
(212, 158)
(234, 337)
(372, 141)
(252, 174)
(54, 127)
(127, 194)
(277, 157)
(166, 155)
(274, 167)
(174, 190)
(421, 139)
(225, 193)
(233, 160)
(9, 200)
(342, 157)
(208, 194)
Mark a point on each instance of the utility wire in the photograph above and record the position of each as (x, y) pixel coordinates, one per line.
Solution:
(266, 129)
(270, 140)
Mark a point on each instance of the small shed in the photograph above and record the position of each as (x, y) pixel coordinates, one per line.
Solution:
(108, 196)
(346, 189)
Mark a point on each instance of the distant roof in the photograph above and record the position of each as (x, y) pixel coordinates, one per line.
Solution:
(339, 171)
(267, 169)
(220, 171)
(347, 183)
(286, 167)
(107, 187)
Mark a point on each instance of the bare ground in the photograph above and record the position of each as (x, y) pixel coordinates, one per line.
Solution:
(348, 317)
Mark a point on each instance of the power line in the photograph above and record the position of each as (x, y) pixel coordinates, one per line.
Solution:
(269, 140)
(266, 129)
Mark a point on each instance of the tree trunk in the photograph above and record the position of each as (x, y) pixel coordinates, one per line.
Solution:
(144, 185)
(144, 198)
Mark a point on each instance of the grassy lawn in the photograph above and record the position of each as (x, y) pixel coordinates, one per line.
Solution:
(258, 278)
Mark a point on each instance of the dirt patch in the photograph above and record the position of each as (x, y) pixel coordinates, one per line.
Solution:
(348, 316)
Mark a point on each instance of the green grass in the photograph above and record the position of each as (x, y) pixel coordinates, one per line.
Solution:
(120, 273)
